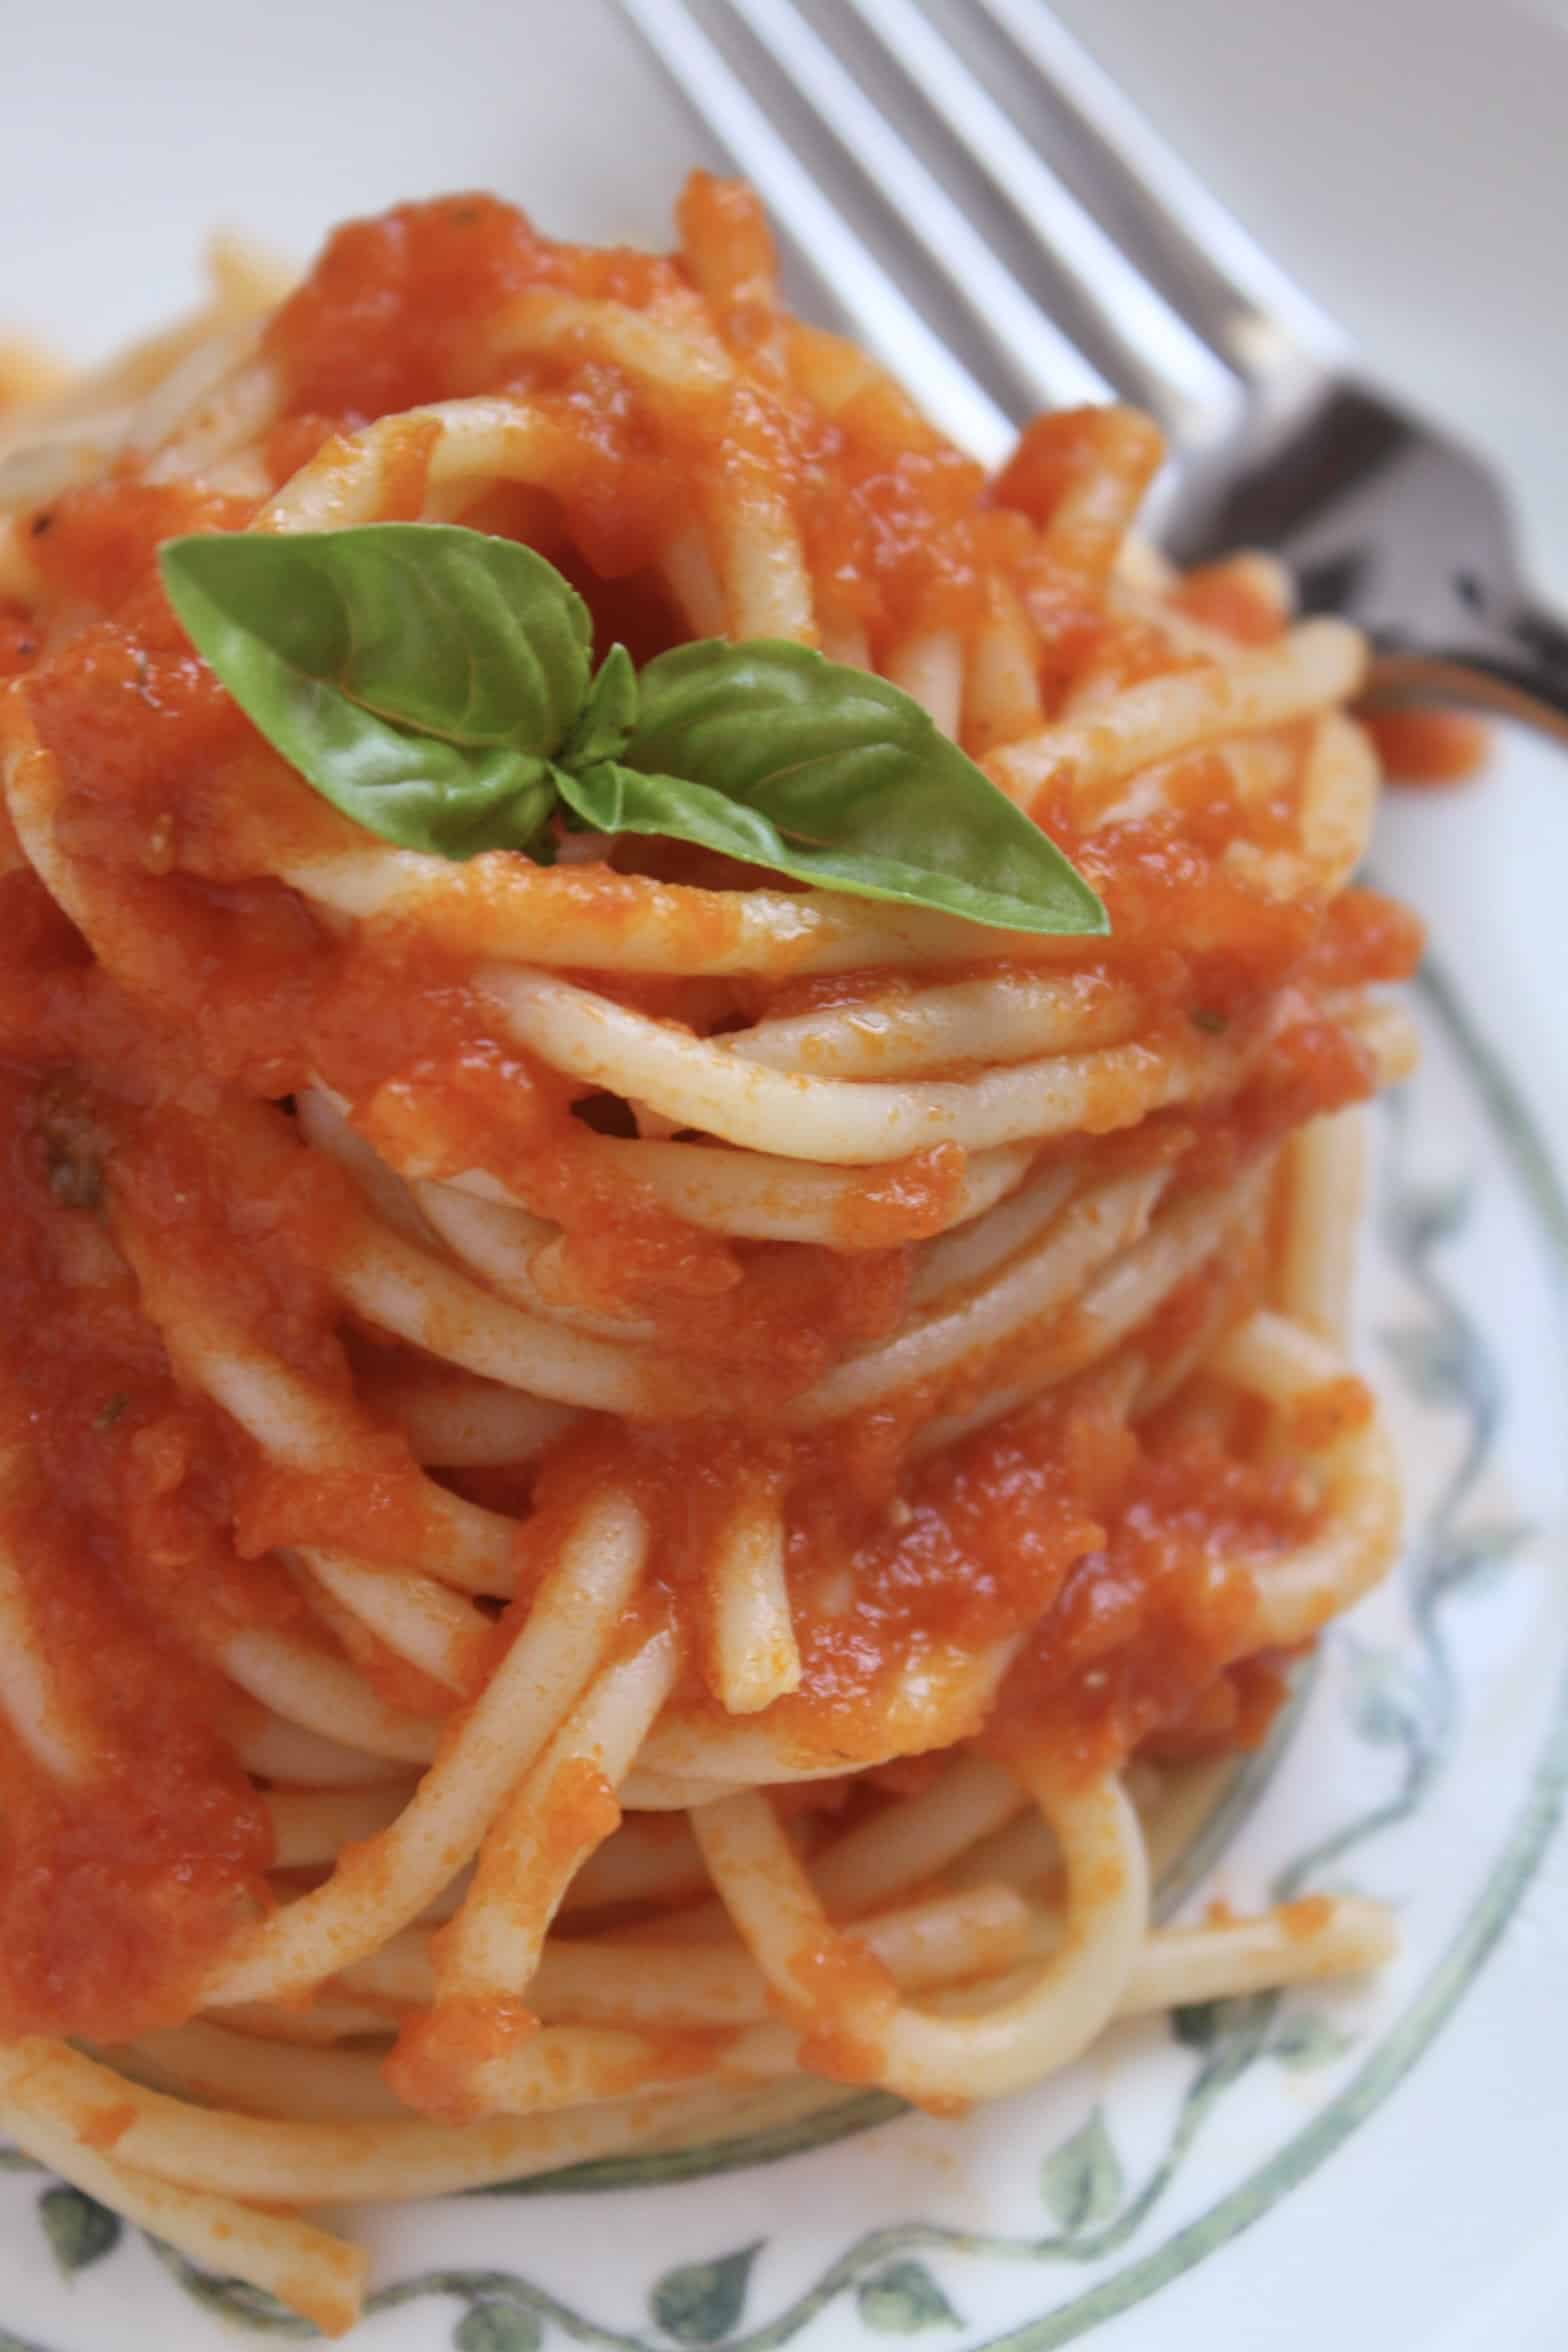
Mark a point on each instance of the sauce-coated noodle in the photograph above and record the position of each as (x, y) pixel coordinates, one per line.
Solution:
(625, 1487)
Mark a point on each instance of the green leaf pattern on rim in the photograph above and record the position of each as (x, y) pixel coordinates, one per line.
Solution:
(903, 2300)
(1309, 2040)
(1082, 2181)
(497, 2327)
(80, 2231)
(701, 2302)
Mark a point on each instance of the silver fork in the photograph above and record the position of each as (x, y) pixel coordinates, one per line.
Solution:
(960, 177)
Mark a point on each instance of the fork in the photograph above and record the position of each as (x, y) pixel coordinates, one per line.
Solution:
(960, 176)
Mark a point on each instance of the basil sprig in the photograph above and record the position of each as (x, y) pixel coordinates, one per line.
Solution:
(437, 686)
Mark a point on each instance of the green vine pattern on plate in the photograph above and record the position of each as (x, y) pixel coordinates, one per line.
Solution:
(1406, 1701)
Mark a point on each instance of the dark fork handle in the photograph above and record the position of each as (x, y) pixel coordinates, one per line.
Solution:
(1403, 530)
(1517, 665)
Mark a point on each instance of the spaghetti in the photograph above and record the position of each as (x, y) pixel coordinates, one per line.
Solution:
(629, 1493)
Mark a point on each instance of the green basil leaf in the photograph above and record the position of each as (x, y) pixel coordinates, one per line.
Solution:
(612, 798)
(608, 716)
(433, 627)
(418, 676)
(770, 753)
(435, 685)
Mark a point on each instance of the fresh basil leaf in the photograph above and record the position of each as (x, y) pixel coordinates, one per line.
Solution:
(418, 676)
(611, 798)
(769, 753)
(449, 631)
(607, 717)
(435, 685)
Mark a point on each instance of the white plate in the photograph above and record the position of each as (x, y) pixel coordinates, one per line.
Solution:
(1375, 2167)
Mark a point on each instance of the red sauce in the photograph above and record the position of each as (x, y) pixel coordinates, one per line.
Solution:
(1434, 748)
(1306, 1918)
(1150, 1622)
(1128, 1554)
(382, 321)
(18, 638)
(1364, 937)
(908, 1200)
(1334, 1410)
(1226, 596)
(732, 257)
(117, 1897)
(144, 1093)
(439, 2053)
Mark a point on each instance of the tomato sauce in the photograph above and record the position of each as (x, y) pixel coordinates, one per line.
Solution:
(1151, 1623)
(1429, 748)
(1125, 1556)
(18, 638)
(1226, 596)
(146, 1112)
(115, 1895)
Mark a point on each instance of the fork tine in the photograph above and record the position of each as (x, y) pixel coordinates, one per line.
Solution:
(882, 316)
(1024, 356)
(1239, 300)
(1158, 359)
(946, 246)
